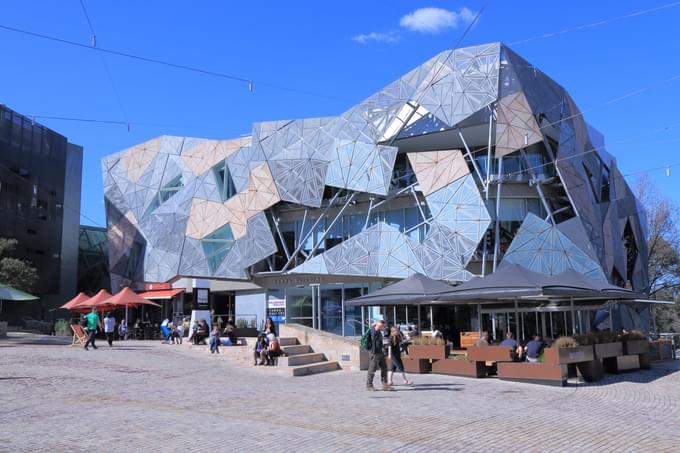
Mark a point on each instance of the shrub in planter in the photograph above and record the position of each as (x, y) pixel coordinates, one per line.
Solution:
(62, 327)
(427, 341)
(607, 336)
(586, 339)
(565, 342)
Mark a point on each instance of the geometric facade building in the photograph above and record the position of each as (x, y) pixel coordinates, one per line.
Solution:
(473, 159)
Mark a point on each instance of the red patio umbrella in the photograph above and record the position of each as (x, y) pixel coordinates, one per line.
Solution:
(92, 301)
(125, 298)
(81, 297)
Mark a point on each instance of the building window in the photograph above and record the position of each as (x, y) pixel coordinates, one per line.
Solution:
(216, 246)
(225, 183)
(163, 195)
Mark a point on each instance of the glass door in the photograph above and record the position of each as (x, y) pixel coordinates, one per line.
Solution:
(299, 306)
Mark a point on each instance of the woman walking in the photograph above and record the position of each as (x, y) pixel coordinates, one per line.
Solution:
(109, 327)
(396, 339)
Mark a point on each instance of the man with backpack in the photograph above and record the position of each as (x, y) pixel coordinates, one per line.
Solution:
(373, 342)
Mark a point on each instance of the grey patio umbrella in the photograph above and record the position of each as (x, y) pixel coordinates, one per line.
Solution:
(514, 281)
(508, 281)
(9, 293)
(412, 290)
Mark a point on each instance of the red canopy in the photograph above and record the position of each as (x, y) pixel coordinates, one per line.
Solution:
(125, 298)
(81, 297)
(92, 301)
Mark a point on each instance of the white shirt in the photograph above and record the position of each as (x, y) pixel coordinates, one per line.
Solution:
(165, 322)
(109, 324)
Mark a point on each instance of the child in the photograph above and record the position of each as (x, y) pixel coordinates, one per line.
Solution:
(215, 340)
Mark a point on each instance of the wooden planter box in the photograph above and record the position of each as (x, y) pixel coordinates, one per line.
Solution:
(604, 350)
(435, 352)
(459, 368)
(536, 373)
(565, 356)
(660, 350)
(489, 354)
(415, 366)
(622, 363)
(591, 371)
(636, 347)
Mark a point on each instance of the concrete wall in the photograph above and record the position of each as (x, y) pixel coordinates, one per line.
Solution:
(345, 350)
(250, 303)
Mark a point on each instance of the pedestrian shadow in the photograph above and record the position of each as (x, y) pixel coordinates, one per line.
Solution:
(444, 384)
(432, 387)
(125, 348)
(11, 378)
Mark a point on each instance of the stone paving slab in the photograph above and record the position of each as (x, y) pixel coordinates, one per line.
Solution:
(146, 396)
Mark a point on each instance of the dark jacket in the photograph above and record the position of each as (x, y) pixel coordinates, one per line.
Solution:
(375, 342)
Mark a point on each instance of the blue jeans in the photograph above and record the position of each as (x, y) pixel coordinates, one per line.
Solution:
(215, 344)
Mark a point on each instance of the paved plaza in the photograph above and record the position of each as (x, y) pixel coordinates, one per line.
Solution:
(146, 396)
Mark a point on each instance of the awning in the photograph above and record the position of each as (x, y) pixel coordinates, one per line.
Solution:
(650, 301)
(163, 294)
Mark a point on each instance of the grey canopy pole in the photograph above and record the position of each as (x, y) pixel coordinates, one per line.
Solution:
(479, 318)
(573, 317)
(516, 319)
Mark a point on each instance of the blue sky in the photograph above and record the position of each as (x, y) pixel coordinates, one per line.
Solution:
(309, 58)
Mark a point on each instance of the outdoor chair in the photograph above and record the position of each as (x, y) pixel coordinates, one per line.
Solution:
(79, 335)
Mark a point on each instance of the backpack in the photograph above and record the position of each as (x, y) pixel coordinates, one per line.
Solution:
(364, 339)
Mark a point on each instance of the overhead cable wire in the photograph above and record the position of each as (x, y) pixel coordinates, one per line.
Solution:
(595, 24)
(250, 83)
(114, 88)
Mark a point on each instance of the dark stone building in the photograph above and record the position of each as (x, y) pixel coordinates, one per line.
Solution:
(40, 180)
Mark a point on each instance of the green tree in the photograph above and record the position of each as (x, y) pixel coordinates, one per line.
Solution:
(14, 272)
(663, 243)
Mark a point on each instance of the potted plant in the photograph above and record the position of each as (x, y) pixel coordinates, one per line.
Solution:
(62, 328)
(566, 350)
(428, 348)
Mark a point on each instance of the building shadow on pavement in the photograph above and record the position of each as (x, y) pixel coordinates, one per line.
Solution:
(658, 370)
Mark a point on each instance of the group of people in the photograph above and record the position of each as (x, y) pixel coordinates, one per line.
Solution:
(267, 347)
(380, 347)
(529, 352)
(92, 324)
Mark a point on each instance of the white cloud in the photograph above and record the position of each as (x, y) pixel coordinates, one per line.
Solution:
(434, 20)
(390, 37)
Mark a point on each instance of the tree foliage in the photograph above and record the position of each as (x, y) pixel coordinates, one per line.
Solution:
(663, 245)
(15, 272)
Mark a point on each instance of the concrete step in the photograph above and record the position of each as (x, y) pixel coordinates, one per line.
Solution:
(288, 341)
(297, 349)
(314, 368)
(302, 359)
